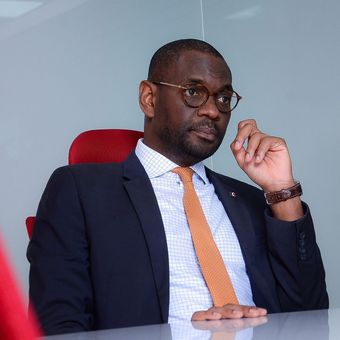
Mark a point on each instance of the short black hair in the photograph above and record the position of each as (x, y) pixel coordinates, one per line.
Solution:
(170, 53)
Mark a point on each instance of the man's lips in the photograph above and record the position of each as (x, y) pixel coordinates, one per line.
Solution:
(205, 132)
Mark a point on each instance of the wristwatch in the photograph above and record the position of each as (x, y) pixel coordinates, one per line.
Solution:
(284, 194)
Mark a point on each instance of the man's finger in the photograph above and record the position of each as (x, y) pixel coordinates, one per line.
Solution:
(254, 312)
(269, 143)
(206, 315)
(238, 311)
(242, 123)
(244, 132)
(253, 143)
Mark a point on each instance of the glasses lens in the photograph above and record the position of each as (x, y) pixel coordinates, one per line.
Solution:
(195, 95)
(226, 101)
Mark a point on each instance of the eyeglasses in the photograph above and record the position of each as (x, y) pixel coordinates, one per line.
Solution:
(196, 95)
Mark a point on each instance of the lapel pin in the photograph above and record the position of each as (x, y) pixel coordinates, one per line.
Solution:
(233, 194)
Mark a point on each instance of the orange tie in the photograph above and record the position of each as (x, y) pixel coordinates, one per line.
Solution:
(209, 257)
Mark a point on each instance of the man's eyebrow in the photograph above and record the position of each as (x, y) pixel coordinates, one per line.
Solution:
(198, 81)
(228, 87)
(194, 81)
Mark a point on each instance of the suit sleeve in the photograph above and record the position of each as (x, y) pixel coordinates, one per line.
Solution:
(296, 262)
(60, 286)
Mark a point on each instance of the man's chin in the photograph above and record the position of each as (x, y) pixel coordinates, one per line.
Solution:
(200, 152)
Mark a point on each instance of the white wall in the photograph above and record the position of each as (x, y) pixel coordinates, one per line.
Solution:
(69, 66)
(73, 65)
(285, 58)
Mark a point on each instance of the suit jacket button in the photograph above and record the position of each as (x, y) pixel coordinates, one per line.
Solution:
(302, 235)
(302, 250)
(302, 243)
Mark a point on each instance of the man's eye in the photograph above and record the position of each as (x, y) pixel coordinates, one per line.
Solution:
(224, 99)
(191, 91)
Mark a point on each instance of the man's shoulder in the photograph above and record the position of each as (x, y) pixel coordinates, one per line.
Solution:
(88, 169)
(95, 168)
(102, 172)
(87, 175)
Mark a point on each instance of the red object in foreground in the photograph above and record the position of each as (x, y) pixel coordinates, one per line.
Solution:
(14, 321)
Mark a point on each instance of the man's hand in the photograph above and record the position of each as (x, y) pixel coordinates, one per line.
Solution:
(228, 326)
(229, 312)
(265, 159)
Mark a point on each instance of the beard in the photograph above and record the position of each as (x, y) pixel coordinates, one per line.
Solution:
(185, 147)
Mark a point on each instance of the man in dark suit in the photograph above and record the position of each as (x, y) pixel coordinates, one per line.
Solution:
(112, 247)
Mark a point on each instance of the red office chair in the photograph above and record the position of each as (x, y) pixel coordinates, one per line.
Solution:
(103, 146)
(98, 146)
(14, 323)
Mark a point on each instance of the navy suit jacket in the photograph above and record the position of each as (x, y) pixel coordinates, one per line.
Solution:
(99, 254)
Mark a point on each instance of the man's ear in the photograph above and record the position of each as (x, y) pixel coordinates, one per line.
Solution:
(147, 98)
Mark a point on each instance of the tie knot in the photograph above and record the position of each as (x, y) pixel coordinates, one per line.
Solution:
(185, 174)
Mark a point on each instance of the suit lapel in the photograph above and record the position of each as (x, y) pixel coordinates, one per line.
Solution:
(238, 214)
(143, 198)
(244, 226)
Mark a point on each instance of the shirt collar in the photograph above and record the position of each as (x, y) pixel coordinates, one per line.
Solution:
(156, 165)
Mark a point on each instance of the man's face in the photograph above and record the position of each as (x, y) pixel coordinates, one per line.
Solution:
(184, 134)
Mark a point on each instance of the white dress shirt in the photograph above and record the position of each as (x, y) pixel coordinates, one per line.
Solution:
(188, 290)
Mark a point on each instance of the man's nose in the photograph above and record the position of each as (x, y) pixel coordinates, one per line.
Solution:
(209, 109)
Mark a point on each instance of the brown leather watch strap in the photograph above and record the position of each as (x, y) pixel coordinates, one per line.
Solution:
(284, 194)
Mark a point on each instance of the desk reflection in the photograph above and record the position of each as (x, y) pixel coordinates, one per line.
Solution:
(311, 325)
